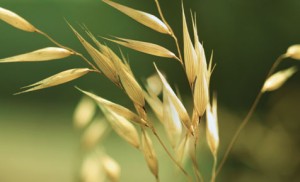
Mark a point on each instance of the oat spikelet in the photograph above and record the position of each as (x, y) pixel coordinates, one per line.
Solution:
(145, 47)
(293, 52)
(190, 56)
(57, 79)
(118, 109)
(123, 128)
(182, 150)
(171, 120)
(15, 20)
(212, 131)
(111, 168)
(276, 80)
(91, 170)
(149, 154)
(103, 62)
(201, 94)
(155, 104)
(154, 84)
(94, 133)
(45, 54)
(84, 112)
(184, 117)
(144, 18)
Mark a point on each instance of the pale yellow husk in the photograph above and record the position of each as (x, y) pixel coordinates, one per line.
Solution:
(118, 109)
(154, 84)
(84, 112)
(15, 20)
(45, 54)
(212, 131)
(276, 80)
(103, 62)
(123, 128)
(182, 112)
(145, 47)
(149, 154)
(57, 79)
(144, 18)
(94, 133)
(111, 168)
(293, 52)
(92, 170)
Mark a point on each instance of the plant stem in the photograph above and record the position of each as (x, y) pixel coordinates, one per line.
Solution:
(170, 29)
(64, 47)
(249, 114)
(170, 155)
(214, 175)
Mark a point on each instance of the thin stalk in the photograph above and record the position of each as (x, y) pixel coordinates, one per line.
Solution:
(170, 155)
(197, 172)
(249, 114)
(214, 175)
(170, 29)
(64, 47)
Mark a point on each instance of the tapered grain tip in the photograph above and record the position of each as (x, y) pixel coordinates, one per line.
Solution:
(94, 133)
(84, 112)
(15, 20)
(276, 80)
(145, 47)
(144, 18)
(293, 52)
(57, 79)
(150, 154)
(45, 54)
(212, 130)
(111, 168)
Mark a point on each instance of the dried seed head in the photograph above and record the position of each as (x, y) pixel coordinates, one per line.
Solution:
(91, 170)
(57, 79)
(146, 19)
(145, 47)
(84, 112)
(111, 168)
(190, 56)
(15, 20)
(171, 120)
(184, 117)
(103, 62)
(149, 154)
(45, 54)
(276, 80)
(182, 150)
(94, 133)
(201, 94)
(154, 84)
(293, 52)
(212, 131)
(123, 128)
(118, 109)
(155, 104)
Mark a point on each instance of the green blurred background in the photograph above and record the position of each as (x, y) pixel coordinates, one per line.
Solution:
(37, 139)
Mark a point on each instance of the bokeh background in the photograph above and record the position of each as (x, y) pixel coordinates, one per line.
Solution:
(37, 138)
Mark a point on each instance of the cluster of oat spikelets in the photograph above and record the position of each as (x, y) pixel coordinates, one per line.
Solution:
(181, 127)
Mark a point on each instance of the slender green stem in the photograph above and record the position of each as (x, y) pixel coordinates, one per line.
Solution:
(248, 116)
(170, 155)
(170, 29)
(213, 176)
(67, 48)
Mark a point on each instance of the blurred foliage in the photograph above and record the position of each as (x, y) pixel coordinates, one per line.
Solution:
(246, 37)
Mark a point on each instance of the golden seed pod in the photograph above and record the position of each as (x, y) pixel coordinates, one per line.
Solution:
(15, 20)
(212, 131)
(149, 154)
(190, 56)
(276, 80)
(57, 79)
(293, 52)
(104, 64)
(118, 109)
(201, 94)
(92, 170)
(182, 112)
(155, 104)
(45, 54)
(84, 112)
(94, 133)
(145, 47)
(144, 18)
(111, 168)
(123, 128)
(154, 85)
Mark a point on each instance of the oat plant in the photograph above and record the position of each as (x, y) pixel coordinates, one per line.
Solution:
(181, 126)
